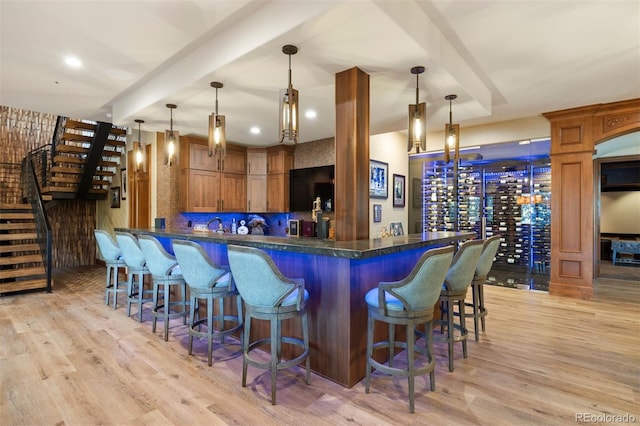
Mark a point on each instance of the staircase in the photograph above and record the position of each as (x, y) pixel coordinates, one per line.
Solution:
(83, 160)
(21, 261)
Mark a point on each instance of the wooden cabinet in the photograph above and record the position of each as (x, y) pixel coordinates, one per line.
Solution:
(280, 159)
(212, 184)
(200, 190)
(256, 180)
(279, 162)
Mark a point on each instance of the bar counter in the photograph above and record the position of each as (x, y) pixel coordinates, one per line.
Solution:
(337, 275)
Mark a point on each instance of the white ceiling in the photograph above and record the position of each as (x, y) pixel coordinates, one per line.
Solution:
(504, 59)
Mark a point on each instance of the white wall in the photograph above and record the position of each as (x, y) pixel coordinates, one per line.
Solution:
(389, 148)
(620, 212)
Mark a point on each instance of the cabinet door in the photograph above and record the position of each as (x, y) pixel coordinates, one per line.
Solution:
(198, 156)
(200, 190)
(257, 193)
(278, 192)
(233, 188)
(235, 160)
(280, 159)
(256, 161)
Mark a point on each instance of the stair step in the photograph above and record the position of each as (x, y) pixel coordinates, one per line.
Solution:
(75, 124)
(16, 226)
(72, 149)
(22, 285)
(116, 143)
(20, 236)
(70, 189)
(67, 170)
(75, 137)
(19, 248)
(12, 206)
(16, 260)
(76, 180)
(21, 272)
(16, 216)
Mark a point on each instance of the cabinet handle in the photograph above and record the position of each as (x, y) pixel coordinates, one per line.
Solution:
(218, 164)
(222, 165)
(249, 205)
(249, 167)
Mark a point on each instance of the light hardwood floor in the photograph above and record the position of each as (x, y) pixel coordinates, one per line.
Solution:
(68, 359)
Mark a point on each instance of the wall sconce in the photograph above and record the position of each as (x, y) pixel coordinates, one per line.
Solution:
(217, 133)
(171, 140)
(451, 134)
(138, 146)
(289, 104)
(417, 129)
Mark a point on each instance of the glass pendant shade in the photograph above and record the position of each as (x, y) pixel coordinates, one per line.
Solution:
(217, 132)
(417, 126)
(451, 135)
(171, 141)
(289, 118)
(138, 147)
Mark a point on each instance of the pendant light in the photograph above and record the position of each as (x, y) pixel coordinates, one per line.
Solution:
(417, 129)
(289, 104)
(451, 134)
(139, 149)
(217, 134)
(171, 140)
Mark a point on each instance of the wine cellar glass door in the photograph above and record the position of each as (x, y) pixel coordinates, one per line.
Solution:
(497, 198)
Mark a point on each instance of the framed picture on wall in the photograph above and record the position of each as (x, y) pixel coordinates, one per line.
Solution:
(398, 190)
(115, 197)
(378, 176)
(377, 212)
(123, 183)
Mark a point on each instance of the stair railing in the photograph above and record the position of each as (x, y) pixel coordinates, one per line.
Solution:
(43, 229)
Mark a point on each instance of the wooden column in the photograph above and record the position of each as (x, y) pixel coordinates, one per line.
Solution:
(574, 134)
(352, 155)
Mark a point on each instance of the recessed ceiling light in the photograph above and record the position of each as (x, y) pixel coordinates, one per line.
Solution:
(255, 130)
(310, 114)
(73, 62)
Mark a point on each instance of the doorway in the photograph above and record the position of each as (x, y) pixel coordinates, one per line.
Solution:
(139, 190)
(617, 173)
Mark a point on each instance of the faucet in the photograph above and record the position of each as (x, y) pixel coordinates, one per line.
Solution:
(220, 227)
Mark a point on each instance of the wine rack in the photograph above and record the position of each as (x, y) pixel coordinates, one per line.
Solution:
(513, 201)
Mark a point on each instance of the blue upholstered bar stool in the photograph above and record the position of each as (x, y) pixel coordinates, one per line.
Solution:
(165, 273)
(269, 295)
(136, 269)
(409, 302)
(454, 290)
(111, 254)
(208, 282)
(489, 250)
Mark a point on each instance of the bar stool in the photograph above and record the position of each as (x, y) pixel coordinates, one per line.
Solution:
(409, 302)
(269, 295)
(111, 255)
(207, 281)
(136, 269)
(454, 290)
(165, 273)
(489, 250)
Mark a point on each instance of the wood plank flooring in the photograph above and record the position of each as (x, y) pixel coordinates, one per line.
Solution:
(66, 358)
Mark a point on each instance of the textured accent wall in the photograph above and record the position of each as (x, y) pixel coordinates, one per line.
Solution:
(317, 153)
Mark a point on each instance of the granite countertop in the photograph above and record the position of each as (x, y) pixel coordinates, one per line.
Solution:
(357, 249)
